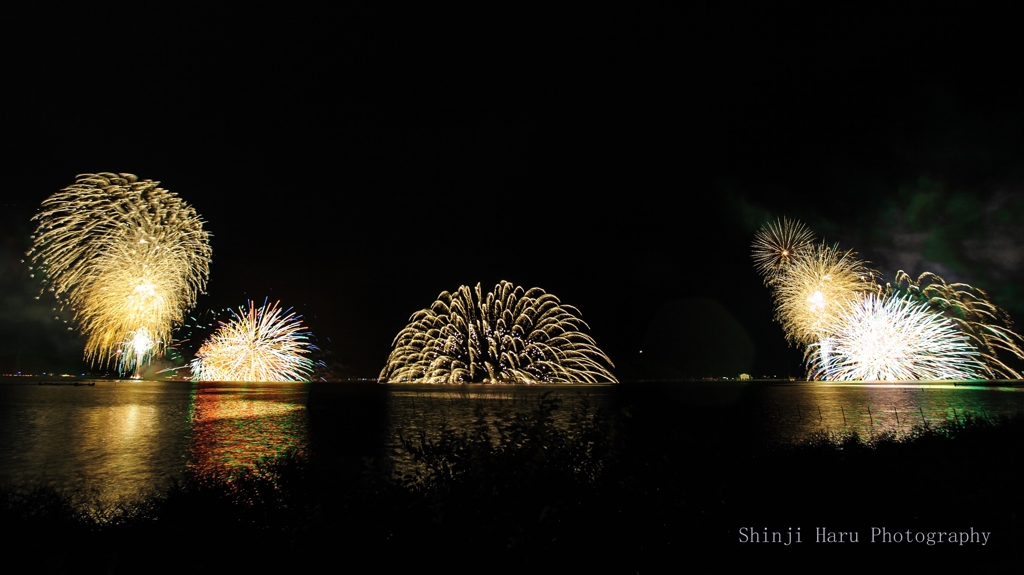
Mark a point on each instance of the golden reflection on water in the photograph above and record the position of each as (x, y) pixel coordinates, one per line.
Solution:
(121, 440)
(100, 444)
(800, 412)
(115, 439)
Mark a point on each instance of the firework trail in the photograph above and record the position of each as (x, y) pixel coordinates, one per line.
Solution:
(985, 324)
(258, 344)
(128, 257)
(893, 339)
(509, 335)
(815, 290)
(779, 243)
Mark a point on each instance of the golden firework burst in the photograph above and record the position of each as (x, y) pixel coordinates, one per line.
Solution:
(814, 291)
(508, 335)
(779, 243)
(128, 257)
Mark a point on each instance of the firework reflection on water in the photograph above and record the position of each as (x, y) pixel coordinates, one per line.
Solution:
(415, 408)
(236, 426)
(125, 439)
(797, 412)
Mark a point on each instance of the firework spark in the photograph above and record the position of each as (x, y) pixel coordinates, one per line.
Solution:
(779, 243)
(814, 291)
(985, 324)
(893, 339)
(128, 257)
(510, 335)
(258, 344)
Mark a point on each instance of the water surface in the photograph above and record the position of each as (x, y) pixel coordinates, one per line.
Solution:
(121, 439)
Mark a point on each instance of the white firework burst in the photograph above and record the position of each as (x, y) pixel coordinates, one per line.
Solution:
(893, 339)
(258, 344)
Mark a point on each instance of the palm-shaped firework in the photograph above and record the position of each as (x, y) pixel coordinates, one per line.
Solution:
(509, 335)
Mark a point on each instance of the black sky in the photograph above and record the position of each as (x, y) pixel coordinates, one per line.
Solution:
(355, 167)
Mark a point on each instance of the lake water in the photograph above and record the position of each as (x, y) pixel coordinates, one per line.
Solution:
(120, 439)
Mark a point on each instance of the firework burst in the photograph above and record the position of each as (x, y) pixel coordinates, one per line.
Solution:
(985, 324)
(258, 344)
(128, 257)
(779, 243)
(814, 291)
(893, 339)
(509, 335)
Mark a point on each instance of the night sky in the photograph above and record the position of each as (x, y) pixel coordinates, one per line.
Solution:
(354, 168)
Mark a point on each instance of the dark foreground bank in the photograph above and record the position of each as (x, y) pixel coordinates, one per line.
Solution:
(625, 492)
